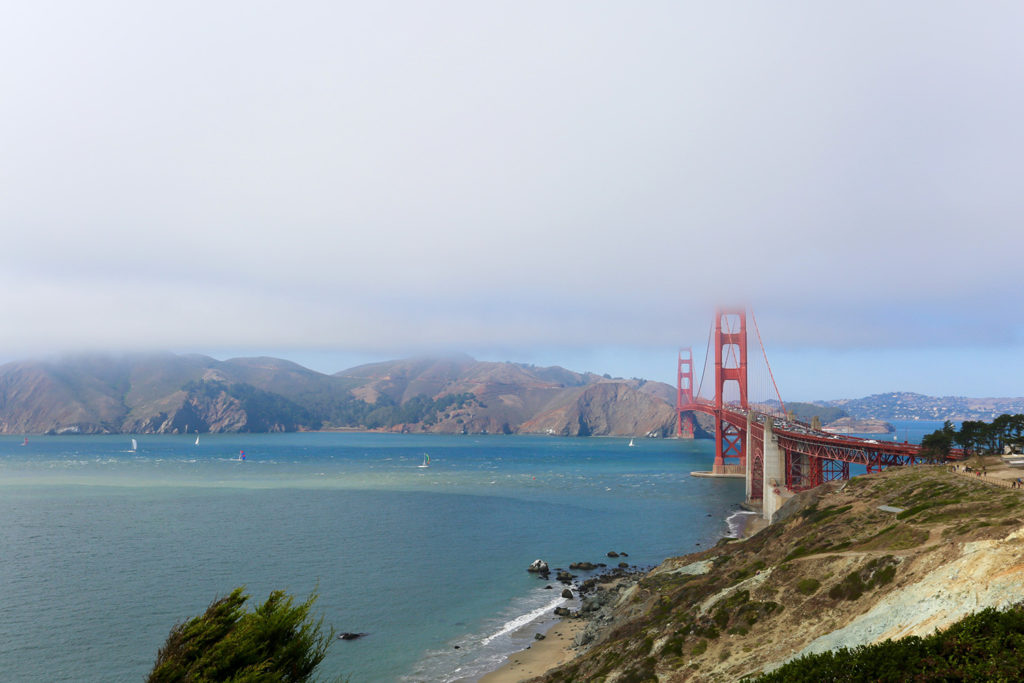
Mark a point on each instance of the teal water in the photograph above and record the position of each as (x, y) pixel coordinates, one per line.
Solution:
(103, 550)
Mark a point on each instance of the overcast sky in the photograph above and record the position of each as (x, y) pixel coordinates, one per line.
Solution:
(571, 183)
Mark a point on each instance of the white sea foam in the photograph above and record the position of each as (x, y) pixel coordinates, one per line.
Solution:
(737, 522)
(522, 620)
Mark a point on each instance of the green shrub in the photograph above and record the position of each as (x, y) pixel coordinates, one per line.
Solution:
(709, 632)
(813, 515)
(850, 588)
(808, 586)
(884, 575)
(986, 646)
(673, 648)
(798, 551)
(277, 641)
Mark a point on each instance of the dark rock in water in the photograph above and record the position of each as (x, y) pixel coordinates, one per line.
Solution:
(624, 554)
(612, 553)
(538, 567)
(584, 566)
(539, 636)
(350, 636)
(562, 612)
(623, 565)
(567, 594)
(565, 577)
(548, 587)
(458, 647)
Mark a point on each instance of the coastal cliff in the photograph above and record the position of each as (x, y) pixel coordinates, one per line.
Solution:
(838, 571)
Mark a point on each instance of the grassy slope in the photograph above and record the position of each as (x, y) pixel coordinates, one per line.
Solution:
(768, 596)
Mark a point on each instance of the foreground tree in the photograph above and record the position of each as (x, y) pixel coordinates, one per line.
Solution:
(935, 446)
(973, 436)
(278, 641)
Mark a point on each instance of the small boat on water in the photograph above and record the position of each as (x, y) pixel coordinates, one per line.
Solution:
(197, 439)
(135, 446)
(631, 444)
(426, 461)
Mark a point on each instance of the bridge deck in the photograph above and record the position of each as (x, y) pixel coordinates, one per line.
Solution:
(809, 451)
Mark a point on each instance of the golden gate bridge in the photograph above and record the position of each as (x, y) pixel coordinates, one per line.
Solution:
(776, 454)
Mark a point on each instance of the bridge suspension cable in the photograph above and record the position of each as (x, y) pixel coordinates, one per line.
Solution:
(768, 365)
(707, 352)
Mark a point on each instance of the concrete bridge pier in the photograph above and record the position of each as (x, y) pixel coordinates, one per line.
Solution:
(750, 456)
(774, 491)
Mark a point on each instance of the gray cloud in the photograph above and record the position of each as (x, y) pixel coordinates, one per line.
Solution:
(513, 175)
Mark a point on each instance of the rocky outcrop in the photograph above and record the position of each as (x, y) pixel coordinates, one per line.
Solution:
(584, 566)
(538, 567)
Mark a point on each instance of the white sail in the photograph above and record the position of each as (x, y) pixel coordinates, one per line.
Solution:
(135, 445)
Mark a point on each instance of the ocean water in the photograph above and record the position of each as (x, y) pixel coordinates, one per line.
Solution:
(103, 550)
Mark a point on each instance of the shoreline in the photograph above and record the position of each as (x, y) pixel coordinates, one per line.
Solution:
(540, 656)
(559, 644)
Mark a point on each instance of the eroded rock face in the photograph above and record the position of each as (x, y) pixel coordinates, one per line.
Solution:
(985, 574)
(220, 413)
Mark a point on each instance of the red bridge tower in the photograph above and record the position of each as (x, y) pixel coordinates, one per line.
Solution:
(730, 371)
(684, 394)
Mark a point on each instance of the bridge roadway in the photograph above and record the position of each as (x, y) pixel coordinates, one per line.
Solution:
(796, 457)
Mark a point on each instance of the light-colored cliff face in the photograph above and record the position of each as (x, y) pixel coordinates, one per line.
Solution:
(974, 576)
(839, 572)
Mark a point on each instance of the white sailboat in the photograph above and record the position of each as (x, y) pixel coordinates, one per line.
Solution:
(135, 445)
(426, 461)
(197, 439)
(631, 444)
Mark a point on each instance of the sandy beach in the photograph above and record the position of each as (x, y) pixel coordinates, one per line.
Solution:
(540, 655)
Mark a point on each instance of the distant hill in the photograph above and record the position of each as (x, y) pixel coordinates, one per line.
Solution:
(910, 406)
(512, 397)
(166, 393)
